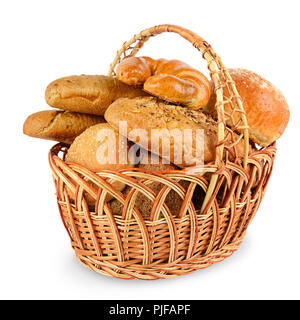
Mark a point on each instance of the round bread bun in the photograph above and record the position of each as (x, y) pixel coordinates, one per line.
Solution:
(266, 108)
(97, 148)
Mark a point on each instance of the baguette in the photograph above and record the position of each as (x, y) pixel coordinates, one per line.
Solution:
(62, 126)
(88, 93)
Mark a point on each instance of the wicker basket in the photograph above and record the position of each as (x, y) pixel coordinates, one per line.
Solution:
(128, 246)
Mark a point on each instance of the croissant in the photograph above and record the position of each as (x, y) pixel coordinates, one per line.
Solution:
(170, 80)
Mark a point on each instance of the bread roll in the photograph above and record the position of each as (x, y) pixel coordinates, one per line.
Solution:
(97, 148)
(62, 126)
(149, 114)
(266, 108)
(88, 93)
(170, 80)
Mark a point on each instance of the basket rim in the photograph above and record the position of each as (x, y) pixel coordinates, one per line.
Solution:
(60, 146)
(130, 174)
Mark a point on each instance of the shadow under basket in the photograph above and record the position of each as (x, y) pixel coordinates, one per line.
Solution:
(214, 208)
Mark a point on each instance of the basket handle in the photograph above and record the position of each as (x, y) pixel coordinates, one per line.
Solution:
(215, 66)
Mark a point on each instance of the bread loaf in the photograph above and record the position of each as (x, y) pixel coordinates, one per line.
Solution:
(158, 119)
(88, 93)
(62, 126)
(266, 108)
(170, 80)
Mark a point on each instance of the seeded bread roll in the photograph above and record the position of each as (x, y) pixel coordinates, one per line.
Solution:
(62, 126)
(156, 119)
(88, 93)
(266, 108)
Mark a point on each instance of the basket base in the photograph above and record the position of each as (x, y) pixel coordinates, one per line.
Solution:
(128, 271)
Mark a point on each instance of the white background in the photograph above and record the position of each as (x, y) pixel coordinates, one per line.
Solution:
(45, 40)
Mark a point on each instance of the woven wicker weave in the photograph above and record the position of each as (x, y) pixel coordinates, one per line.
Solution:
(132, 246)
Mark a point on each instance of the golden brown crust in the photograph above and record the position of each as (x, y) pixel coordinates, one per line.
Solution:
(62, 126)
(88, 93)
(266, 108)
(149, 113)
(170, 80)
(86, 149)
